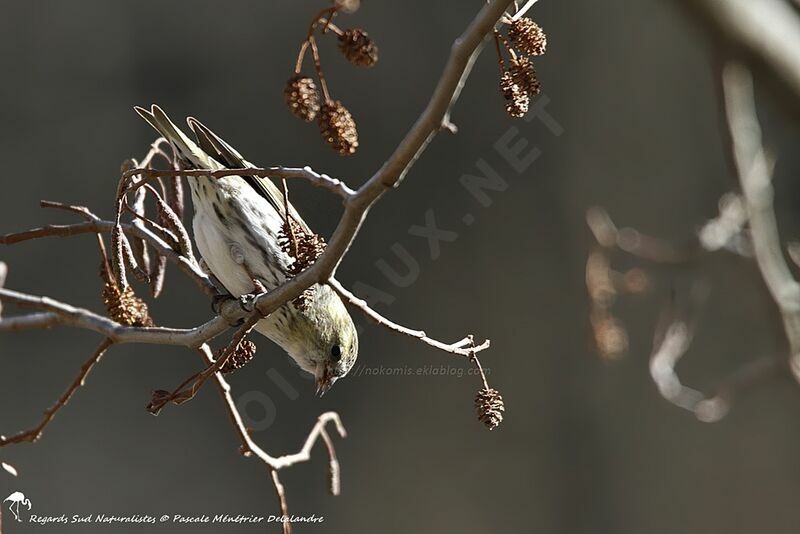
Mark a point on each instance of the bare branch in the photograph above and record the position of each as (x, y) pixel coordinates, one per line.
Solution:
(81, 318)
(281, 493)
(334, 472)
(188, 389)
(320, 180)
(461, 347)
(524, 9)
(755, 177)
(34, 321)
(249, 447)
(767, 30)
(714, 404)
(636, 243)
(192, 269)
(35, 433)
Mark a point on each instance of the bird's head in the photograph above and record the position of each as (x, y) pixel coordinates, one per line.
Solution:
(325, 339)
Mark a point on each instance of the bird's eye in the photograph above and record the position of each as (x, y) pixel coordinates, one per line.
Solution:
(336, 352)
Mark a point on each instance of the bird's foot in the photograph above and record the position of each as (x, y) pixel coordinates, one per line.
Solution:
(219, 300)
(248, 302)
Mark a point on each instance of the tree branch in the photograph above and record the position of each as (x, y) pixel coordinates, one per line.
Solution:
(96, 225)
(80, 318)
(755, 178)
(767, 30)
(35, 433)
(357, 204)
(320, 180)
(249, 447)
(426, 127)
(461, 348)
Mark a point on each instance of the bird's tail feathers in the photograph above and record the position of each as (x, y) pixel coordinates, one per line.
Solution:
(187, 148)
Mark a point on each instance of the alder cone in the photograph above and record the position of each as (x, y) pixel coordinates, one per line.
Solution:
(242, 355)
(524, 75)
(125, 307)
(302, 97)
(528, 37)
(338, 128)
(517, 100)
(358, 48)
(304, 248)
(489, 407)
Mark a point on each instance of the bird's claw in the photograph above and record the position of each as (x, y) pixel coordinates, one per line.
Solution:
(248, 302)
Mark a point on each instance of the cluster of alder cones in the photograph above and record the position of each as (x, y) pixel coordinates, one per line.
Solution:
(518, 80)
(308, 102)
(304, 247)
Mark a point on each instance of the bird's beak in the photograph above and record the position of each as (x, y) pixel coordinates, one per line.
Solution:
(324, 379)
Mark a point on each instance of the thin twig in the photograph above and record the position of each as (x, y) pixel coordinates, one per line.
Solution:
(188, 389)
(96, 225)
(280, 491)
(35, 433)
(33, 321)
(637, 244)
(524, 9)
(72, 316)
(713, 404)
(461, 347)
(248, 446)
(321, 180)
(334, 472)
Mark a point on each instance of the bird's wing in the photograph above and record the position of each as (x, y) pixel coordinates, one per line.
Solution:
(214, 145)
(186, 148)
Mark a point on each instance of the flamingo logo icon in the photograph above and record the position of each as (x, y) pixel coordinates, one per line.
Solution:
(14, 500)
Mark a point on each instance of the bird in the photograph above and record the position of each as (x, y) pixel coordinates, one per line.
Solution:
(237, 225)
(14, 500)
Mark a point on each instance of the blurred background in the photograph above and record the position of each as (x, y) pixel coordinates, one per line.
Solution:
(588, 446)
